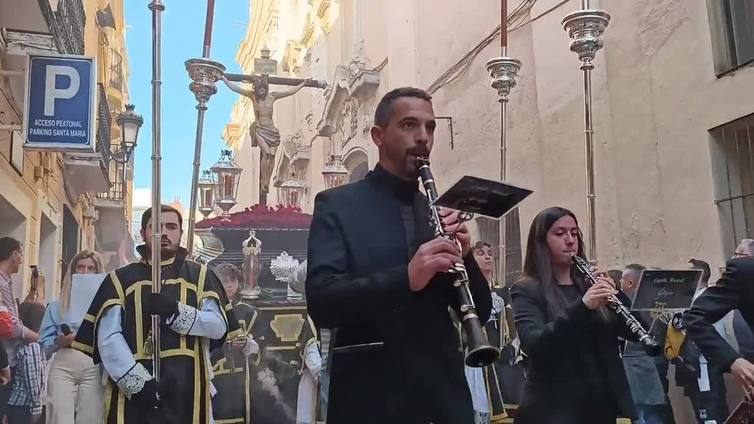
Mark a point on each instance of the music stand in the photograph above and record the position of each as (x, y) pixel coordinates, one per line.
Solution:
(663, 293)
(480, 196)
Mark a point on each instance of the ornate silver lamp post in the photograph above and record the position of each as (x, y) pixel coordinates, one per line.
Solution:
(503, 71)
(129, 123)
(227, 176)
(204, 75)
(585, 27)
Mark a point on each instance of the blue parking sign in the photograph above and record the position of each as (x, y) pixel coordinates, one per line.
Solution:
(60, 99)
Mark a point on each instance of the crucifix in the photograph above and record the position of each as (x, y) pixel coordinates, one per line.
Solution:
(263, 131)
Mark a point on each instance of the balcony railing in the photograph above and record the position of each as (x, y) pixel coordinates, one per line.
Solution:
(117, 183)
(66, 24)
(116, 69)
(104, 123)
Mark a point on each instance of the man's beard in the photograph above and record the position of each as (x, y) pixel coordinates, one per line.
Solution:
(167, 251)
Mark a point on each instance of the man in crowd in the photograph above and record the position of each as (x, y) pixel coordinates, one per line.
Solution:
(734, 290)
(643, 378)
(11, 258)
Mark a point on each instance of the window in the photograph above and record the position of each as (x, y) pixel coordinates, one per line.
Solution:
(489, 231)
(733, 172)
(732, 30)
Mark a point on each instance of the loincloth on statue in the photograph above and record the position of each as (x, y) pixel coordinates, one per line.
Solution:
(269, 135)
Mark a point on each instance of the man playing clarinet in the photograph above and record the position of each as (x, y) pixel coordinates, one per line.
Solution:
(377, 278)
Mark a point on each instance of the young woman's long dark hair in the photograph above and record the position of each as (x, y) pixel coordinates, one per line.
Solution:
(538, 260)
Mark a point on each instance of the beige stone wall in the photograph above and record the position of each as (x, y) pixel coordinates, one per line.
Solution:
(655, 99)
(32, 202)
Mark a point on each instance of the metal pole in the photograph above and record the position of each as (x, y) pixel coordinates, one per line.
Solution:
(208, 27)
(589, 147)
(157, 8)
(503, 71)
(201, 107)
(591, 216)
(502, 243)
(586, 27)
(502, 223)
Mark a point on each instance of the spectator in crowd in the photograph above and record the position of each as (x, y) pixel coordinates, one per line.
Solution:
(27, 397)
(11, 258)
(74, 391)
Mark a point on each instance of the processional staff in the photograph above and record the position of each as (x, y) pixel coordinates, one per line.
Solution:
(503, 71)
(157, 8)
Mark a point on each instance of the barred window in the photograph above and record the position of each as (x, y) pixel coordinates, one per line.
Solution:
(732, 32)
(489, 231)
(733, 172)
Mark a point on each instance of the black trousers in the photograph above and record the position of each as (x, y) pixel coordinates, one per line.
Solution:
(18, 414)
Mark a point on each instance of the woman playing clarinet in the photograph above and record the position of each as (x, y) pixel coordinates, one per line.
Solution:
(574, 372)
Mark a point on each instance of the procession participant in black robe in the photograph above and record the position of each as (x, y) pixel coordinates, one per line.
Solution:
(194, 317)
(231, 362)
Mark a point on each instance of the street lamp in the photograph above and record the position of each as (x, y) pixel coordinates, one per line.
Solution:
(227, 174)
(129, 123)
(334, 172)
(293, 191)
(206, 187)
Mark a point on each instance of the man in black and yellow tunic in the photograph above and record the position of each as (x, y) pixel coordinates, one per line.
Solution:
(195, 317)
(232, 363)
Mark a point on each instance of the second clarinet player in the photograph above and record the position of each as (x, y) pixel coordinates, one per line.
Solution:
(574, 372)
(377, 275)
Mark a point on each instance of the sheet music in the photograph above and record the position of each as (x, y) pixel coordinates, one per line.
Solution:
(83, 289)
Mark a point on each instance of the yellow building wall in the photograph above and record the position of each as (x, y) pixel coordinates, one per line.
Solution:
(38, 193)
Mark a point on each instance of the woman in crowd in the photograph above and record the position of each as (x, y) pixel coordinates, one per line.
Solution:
(75, 393)
(504, 378)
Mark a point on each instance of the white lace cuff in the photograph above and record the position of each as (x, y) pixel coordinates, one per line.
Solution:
(184, 319)
(133, 381)
(251, 346)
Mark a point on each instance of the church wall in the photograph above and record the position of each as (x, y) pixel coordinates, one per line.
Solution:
(653, 89)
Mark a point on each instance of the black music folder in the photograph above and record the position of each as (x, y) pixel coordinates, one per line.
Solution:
(481, 196)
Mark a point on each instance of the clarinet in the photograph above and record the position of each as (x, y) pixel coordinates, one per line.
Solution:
(634, 326)
(479, 352)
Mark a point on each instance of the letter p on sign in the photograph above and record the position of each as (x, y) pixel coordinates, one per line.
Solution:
(52, 92)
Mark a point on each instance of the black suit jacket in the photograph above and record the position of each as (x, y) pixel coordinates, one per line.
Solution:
(734, 290)
(556, 389)
(396, 356)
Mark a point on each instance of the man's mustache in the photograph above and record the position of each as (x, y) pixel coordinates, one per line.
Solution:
(418, 151)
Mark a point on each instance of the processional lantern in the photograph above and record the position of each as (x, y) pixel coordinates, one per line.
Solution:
(334, 173)
(206, 188)
(293, 191)
(227, 176)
